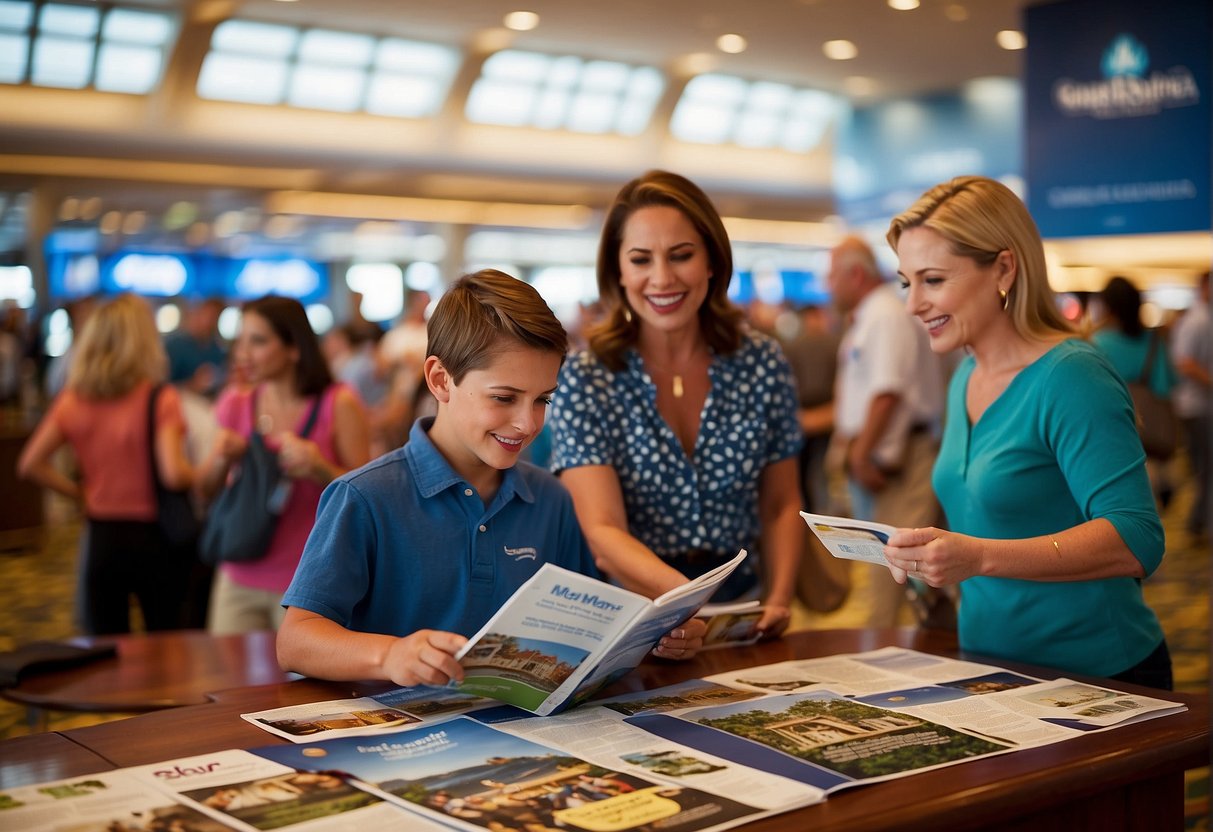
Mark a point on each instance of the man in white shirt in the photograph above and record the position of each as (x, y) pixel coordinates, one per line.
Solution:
(1192, 355)
(889, 404)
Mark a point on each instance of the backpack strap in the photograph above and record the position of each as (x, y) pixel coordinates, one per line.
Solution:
(312, 414)
(1144, 376)
(151, 433)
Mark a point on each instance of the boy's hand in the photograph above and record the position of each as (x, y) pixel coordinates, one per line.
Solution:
(427, 657)
(683, 641)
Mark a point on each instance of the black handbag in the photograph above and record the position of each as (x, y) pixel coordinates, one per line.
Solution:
(240, 523)
(174, 512)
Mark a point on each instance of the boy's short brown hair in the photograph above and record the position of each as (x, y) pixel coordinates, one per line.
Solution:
(481, 309)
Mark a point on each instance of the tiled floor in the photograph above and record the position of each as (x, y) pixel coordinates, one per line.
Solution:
(37, 586)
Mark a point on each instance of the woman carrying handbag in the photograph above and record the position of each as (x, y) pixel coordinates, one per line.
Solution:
(102, 414)
(279, 357)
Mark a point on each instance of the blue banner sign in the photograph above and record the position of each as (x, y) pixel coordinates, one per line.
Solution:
(1118, 120)
(887, 154)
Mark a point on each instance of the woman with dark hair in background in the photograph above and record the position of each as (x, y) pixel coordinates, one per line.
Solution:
(676, 431)
(102, 414)
(279, 355)
(1128, 345)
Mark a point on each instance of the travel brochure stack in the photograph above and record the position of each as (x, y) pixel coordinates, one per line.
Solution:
(707, 754)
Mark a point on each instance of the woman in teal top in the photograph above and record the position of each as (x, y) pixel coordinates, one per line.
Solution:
(1126, 342)
(1041, 473)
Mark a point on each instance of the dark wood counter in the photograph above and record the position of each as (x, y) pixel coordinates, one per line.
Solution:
(1129, 777)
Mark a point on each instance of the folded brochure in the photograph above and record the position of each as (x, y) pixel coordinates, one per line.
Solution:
(562, 636)
(850, 539)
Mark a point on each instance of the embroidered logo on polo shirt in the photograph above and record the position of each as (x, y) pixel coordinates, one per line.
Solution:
(522, 553)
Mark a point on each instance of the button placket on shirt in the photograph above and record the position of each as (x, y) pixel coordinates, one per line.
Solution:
(483, 568)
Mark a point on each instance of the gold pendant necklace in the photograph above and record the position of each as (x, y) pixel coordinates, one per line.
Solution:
(678, 387)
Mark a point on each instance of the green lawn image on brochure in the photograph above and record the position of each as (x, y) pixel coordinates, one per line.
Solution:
(518, 671)
(285, 800)
(849, 737)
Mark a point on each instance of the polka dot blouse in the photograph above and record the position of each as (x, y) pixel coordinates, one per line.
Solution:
(674, 503)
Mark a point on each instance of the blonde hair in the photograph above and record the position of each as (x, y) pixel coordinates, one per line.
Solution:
(119, 348)
(980, 218)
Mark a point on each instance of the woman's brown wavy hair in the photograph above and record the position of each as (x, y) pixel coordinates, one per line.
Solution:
(719, 319)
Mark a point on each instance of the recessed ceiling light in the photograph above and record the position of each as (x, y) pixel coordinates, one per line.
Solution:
(731, 44)
(956, 13)
(521, 21)
(695, 63)
(859, 86)
(1011, 39)
(839, 50)
(488, 41)
(903, 5)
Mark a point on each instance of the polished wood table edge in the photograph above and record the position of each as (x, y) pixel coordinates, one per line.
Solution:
(153, 671)
(41, 758)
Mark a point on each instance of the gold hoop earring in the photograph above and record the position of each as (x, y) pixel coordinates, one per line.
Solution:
(1002, 293)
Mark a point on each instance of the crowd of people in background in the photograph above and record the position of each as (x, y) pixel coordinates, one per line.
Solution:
(843, 412)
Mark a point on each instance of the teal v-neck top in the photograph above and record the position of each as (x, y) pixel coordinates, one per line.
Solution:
(1059, 447)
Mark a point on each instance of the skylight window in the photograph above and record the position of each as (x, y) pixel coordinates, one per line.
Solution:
(77, 46)
(720, 109)
(527, 89)
(324, 69)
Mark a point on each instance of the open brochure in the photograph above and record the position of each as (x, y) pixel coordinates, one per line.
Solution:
(563, 635)
(731, 624)
(841, 721)
(244, 791)
(474, 776)
(368, 715)
(850, 539)
(110, 800)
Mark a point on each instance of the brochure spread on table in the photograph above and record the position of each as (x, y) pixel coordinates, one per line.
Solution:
(845, 720)
(850, 539)
(562, 636)
(705, 754)
(473, 776)
(111, 800)
(367, 715)
(244, 791)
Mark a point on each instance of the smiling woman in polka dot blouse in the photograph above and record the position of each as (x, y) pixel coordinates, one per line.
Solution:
(676, 430)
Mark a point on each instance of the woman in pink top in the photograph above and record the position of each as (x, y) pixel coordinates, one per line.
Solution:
(102, 415)
(279, 355)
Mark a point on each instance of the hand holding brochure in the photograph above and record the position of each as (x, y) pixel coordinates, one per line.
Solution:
(564, 635)
(731, 624)
(850, 539)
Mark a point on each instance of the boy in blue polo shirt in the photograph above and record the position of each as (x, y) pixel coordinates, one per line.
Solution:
(413, 552)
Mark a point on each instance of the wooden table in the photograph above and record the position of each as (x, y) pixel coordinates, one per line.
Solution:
(154, 671)
(1125, 778)
(41, 758)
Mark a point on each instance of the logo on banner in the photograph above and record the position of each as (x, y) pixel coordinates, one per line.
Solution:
(1126, 91)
